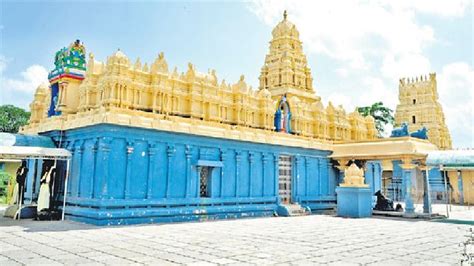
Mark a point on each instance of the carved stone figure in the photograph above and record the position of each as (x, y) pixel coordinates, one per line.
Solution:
(421, 133)
(400, 131)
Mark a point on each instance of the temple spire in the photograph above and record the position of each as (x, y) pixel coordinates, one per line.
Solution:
(286, 66)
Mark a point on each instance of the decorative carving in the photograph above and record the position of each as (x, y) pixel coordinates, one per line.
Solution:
(353, 177)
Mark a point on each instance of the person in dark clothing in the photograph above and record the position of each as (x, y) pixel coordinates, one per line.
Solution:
(21, 174)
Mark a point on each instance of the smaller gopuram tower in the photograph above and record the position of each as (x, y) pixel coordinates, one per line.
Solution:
(65, 78)
(419, 107)
(286, 70)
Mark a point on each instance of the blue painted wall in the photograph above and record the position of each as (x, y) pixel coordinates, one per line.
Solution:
(373, 175)
(132, 175)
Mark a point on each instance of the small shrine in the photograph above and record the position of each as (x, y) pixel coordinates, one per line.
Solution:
(354, 197)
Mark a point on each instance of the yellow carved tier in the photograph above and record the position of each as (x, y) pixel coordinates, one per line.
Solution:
(119, 90)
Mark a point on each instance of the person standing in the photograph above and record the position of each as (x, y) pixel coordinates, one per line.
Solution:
(21, 174)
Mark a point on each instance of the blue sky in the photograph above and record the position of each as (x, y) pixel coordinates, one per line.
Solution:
(357, 50)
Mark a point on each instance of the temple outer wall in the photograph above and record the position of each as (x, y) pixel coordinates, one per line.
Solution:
(462, 185)
(124, 175)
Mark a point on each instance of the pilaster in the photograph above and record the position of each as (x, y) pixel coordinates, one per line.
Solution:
(238, 158)
(151, 169)
(129, 150)
(170, 153)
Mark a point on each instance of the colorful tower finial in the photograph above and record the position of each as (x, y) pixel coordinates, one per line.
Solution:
(68, 73)
(285, 14)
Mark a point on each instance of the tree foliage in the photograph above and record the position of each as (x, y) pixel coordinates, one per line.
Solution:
(381, 114)
(12, 118)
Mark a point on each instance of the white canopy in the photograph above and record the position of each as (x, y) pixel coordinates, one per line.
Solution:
(452, 159)
(21, 152)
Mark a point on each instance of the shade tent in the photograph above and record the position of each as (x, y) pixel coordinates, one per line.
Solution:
(37, 153)
(452, 159)
(21, 153)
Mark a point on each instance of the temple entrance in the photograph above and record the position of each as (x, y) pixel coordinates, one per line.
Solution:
(284, 179)
(204, 177)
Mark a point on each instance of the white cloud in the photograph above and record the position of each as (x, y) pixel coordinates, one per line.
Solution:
(20, 91)
(456, 92)
(3, 64)
(337, 99)
(375, 90)
(33, 76)
(342, 72)
(452, 8)
(406, 65)
(352, 31)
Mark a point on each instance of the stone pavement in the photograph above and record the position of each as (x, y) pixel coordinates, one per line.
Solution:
(316, 239)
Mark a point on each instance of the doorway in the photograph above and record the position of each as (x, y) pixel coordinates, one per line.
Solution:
(284, 179)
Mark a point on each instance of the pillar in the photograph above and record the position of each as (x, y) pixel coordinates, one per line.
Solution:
(128, 175)
(407, 173)
(223, 160)
(238, 157)
(92, 177)
(295, 180)
(251, 162)
(151, 167)
(188, 155)
(75, 187)
(265, 158)
(170, 152)
(198, 183)
(460, 187)
(105, 148)
(426, 190)
(307, 177)
(319, 165)
(276, 159)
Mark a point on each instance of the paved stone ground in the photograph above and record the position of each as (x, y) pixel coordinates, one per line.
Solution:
(316, 239)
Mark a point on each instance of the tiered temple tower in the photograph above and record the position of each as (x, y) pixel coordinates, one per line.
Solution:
(419, 107)
(287, 76)
(286, 70)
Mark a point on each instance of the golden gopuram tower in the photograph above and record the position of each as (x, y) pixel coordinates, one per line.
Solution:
(286, 70)
(419, 107)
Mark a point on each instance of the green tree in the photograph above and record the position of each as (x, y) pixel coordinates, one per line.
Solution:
(12, 118)
(381, 114)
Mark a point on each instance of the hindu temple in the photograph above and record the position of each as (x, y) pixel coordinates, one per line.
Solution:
(152, 144)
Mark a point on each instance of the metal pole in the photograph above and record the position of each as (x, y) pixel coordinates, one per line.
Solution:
(20, 204)
(446, 191)
(65, 188)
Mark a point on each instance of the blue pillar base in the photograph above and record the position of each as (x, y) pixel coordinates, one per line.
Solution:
(354, 202)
